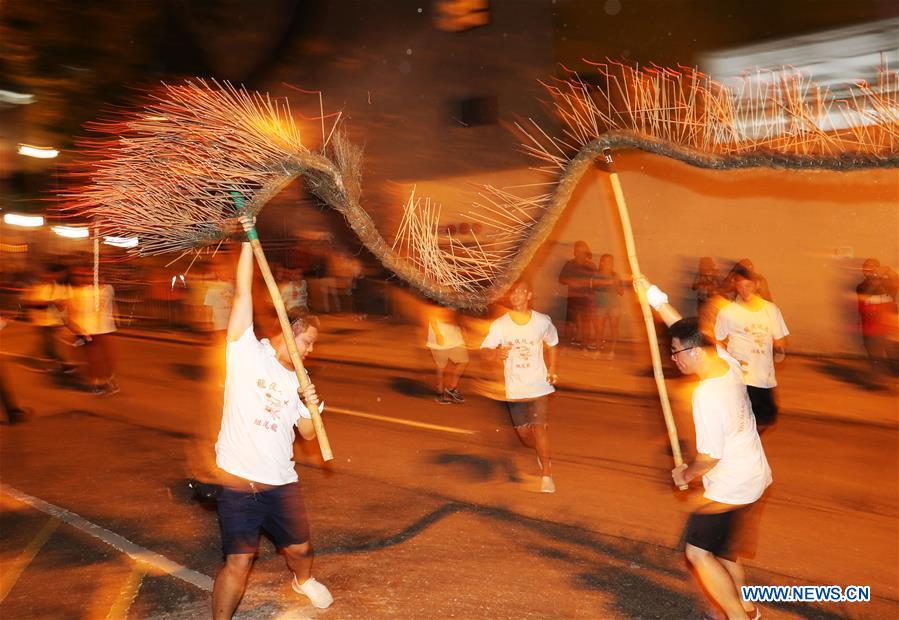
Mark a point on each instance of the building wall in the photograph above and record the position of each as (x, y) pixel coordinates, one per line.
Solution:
(806, 231)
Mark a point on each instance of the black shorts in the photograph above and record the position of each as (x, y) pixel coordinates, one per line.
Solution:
(525, 412)
(280, 511)
(730, 535)
(763, 405)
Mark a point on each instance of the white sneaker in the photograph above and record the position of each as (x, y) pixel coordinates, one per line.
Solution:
(317, 593)
(547, 485)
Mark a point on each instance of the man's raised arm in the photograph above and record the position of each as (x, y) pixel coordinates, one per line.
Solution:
(242, 307)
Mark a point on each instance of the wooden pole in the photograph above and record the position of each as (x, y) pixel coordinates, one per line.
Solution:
(647, 313)
(287, 331)
(96, 269)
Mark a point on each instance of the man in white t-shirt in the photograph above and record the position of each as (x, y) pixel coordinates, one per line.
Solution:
(730, 460)
(518, 339)
(754, 331)
(447, 346)
(254, 451)
(90, 313)
(47, 301)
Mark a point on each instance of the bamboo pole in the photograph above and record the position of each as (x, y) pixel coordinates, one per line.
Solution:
(647, 313)
(302, 377)
(96, 269)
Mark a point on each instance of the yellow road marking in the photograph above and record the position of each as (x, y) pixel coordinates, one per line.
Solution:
(11, 575)
(128, 592)
(382, 418)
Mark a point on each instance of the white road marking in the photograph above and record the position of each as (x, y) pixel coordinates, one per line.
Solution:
(133, 550)
(404, 422)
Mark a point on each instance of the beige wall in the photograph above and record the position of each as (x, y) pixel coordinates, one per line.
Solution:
(806, 231)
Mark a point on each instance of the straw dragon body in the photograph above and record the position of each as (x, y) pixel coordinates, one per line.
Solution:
(167, 172)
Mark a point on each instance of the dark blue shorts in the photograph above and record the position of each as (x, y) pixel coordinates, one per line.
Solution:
(280, 511)
(527, 412)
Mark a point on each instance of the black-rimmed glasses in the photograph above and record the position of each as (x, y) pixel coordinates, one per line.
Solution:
(674, 353)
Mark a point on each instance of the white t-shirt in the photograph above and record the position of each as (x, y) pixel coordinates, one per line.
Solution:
(452, 336)
(725, 430)
(54, 296)
(524, 368)
(219, 297)
(261, 408)
(93, 311)
(750, 339)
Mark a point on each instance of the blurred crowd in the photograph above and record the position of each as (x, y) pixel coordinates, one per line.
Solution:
(74, 311)
(73, 315)
(595, 293)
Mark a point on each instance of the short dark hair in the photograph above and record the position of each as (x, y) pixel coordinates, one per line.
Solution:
(740, 271)
(871, 263)
(689, 334)
(301, 320)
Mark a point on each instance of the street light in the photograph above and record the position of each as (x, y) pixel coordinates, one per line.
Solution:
(121, 242)
(25, 221)
(71, 232)
(40, 152)
(9, 96)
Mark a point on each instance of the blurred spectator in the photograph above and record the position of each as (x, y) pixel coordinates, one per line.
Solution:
(607, 296)
(327, 286)
(218, 299)
(294, 290)
(166, 297)
(877, 315)
(576, 274)
(761, 283)
(345, 269)
(12, 413)
(47, 300)
(91, 314)
(706, 283)
(450, 354)
(709, 301)
(753, 330)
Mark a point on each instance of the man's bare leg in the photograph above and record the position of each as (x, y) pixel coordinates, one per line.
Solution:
(717, 581)
(229, 584)
(599, 329)
(526, 435)
(541, 445)
(613, 332)
(739, 577)
(440, 384)
(455, 373)
(299, 560)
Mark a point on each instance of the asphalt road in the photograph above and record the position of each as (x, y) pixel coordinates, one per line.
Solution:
(427, 511)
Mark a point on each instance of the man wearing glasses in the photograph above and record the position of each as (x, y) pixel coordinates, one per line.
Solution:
(730, 460)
